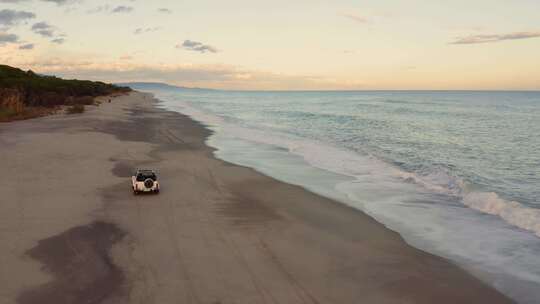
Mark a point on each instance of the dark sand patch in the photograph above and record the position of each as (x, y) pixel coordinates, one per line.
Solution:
(81, 266)
(123, 168)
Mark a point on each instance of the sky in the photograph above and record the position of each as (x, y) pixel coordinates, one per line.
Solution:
(280, 44)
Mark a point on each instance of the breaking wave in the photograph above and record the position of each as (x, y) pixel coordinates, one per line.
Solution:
(514, 213)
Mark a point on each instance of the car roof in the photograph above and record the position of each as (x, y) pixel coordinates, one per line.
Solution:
(145, 171)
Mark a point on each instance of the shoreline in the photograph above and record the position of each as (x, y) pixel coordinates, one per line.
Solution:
(218, 232)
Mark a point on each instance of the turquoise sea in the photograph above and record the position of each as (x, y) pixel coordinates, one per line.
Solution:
(455, 173)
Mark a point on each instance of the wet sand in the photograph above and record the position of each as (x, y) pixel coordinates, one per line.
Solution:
(72, 231)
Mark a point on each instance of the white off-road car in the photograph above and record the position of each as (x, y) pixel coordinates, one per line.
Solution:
(144, 181)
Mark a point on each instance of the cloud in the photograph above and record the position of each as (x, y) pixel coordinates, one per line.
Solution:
(27, 46)
(107, 8)
(12, 17)
(44, 29)
(122, 9)
(197, 47)
(355, 17)
(146, 30)
(487, 38)
(165, 10)
(60, 2)
(8, 38)
(58, 40)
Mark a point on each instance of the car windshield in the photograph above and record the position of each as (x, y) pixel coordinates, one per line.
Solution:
(141, 177)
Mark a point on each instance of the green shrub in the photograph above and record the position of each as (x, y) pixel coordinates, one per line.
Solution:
(51, 91)
(75, 109)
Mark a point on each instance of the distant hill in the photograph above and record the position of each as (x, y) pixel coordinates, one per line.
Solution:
(157, 86)
(25, 94)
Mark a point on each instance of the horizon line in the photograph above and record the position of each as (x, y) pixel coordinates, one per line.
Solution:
(328, 90)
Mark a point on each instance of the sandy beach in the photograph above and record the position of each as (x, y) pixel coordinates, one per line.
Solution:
(72, 231)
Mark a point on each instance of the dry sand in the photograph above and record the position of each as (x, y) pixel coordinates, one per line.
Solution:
(71, 231)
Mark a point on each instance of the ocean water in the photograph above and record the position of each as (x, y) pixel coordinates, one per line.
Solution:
(457, 174)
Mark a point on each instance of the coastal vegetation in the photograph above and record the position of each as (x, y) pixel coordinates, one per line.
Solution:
(25, 94)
